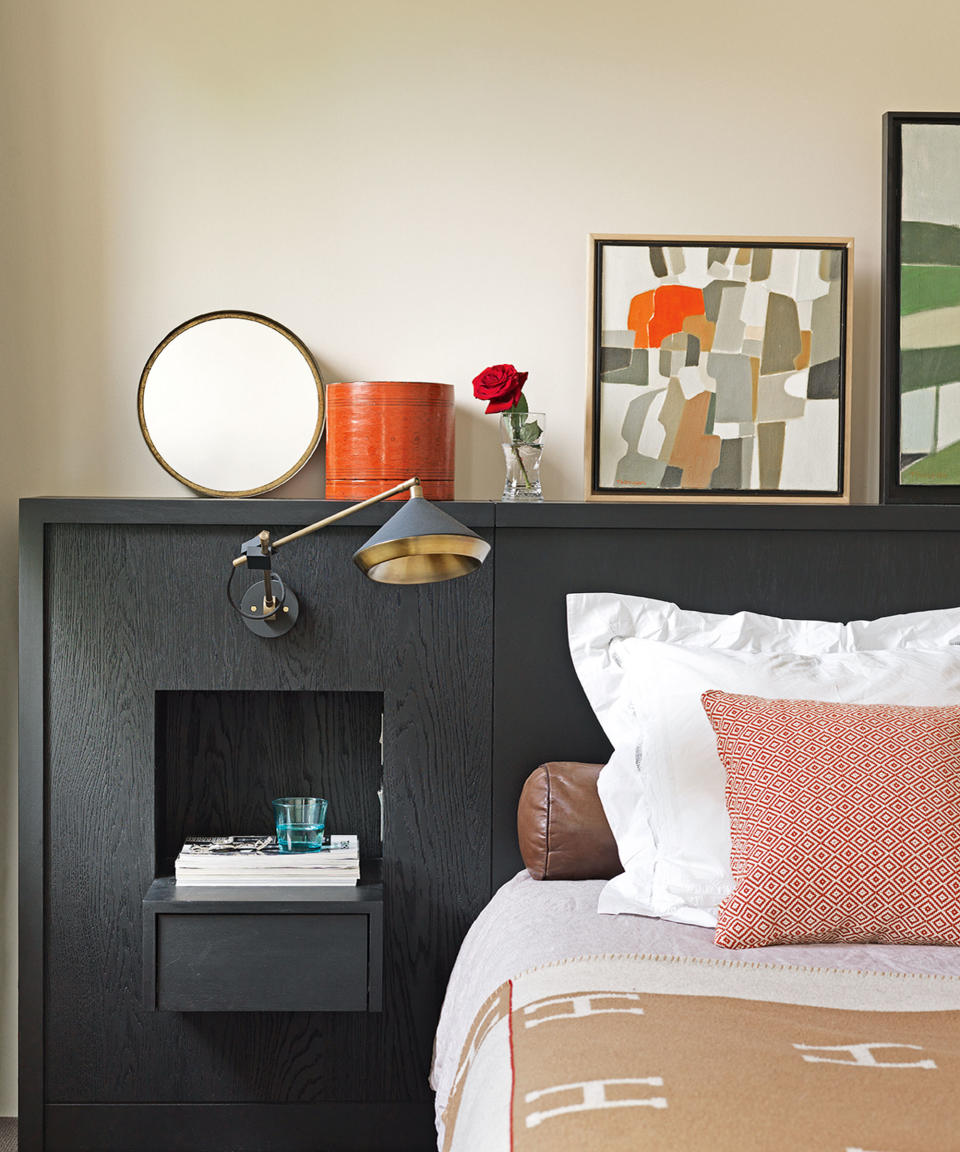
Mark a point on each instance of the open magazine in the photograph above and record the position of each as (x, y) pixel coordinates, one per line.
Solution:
(264, 849)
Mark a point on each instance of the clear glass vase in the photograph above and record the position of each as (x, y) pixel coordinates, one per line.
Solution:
(521, 434)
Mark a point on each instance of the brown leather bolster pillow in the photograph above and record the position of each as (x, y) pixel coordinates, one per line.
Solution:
(563, 832)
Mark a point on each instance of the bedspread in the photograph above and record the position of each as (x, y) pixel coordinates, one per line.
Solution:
(679, 1053)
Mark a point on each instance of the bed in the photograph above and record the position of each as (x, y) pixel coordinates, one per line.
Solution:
(564, 1028)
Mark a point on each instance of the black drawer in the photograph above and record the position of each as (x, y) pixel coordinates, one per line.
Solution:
(265, 950)
(301, 963)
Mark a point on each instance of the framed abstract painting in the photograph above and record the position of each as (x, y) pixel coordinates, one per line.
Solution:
(720, 369)
(920, 349)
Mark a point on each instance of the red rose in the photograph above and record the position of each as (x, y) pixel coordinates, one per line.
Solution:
(501, 385)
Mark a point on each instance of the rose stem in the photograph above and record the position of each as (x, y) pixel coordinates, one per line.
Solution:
(516, 452)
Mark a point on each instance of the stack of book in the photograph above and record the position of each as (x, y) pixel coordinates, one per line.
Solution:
(254, 861)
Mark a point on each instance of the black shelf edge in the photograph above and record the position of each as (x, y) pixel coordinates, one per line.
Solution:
(164, 895)
(719, 517)
(262, 512)
(489, 514)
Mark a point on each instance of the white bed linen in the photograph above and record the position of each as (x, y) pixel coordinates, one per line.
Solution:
(530, 922)
(663, 792)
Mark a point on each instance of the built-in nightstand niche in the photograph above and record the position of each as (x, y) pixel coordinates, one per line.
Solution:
(221, 757)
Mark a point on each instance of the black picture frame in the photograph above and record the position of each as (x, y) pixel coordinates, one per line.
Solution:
(597, 489)
(892, 489)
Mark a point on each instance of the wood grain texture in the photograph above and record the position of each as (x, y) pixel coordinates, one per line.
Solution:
(107, 663)
(254, 962)
(222, 757)
(31, 846)
(389, 1127)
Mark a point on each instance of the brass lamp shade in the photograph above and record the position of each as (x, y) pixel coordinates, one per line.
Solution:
(420, 545)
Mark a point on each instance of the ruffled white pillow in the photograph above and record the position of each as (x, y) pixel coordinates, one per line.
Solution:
(643, 664)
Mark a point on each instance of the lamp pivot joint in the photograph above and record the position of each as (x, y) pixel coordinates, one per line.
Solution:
(256, 555)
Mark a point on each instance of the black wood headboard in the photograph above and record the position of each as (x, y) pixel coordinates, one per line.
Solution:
(144, 711)
(803, 562)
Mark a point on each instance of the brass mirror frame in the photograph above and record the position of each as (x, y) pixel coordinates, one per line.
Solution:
(301, 348)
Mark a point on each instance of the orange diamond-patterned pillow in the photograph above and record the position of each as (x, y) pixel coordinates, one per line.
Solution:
(844, 819)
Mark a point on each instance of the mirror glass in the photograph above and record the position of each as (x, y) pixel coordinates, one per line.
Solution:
(231, 404)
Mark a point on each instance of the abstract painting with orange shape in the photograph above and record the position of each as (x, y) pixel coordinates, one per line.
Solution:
(719, 368)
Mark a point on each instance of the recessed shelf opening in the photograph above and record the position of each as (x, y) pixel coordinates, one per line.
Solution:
(221, 757)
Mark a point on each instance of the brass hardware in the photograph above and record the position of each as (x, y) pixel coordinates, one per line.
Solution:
(264, 622)
(422, 559)
(413, 483)
(269, 600)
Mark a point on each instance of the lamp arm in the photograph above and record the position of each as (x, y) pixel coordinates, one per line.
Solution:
(413, 483)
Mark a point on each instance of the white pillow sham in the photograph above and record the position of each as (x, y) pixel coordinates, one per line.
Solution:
(596, 619)
(663, 789)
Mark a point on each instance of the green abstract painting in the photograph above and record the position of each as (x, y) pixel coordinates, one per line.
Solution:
(929, 379)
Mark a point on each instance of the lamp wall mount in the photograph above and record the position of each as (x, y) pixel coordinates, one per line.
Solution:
(273, 617)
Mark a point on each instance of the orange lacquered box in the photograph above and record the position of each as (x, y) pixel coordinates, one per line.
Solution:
(380, 433)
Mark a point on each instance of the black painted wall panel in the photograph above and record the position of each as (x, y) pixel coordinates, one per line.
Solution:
(166, 627)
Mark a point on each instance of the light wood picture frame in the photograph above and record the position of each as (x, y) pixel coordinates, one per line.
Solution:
(719, 369)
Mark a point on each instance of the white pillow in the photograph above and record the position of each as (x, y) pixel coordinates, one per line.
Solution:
(663, 789)
(596, 619)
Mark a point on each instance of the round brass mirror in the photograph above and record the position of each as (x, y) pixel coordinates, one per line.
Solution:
(231, 404)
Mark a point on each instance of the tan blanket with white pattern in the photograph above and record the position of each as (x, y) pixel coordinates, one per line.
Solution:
(630, 1054)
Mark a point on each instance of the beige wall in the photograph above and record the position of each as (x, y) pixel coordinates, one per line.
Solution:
(408, 185)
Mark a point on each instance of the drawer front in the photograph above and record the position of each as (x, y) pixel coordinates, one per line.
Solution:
(262, 963)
